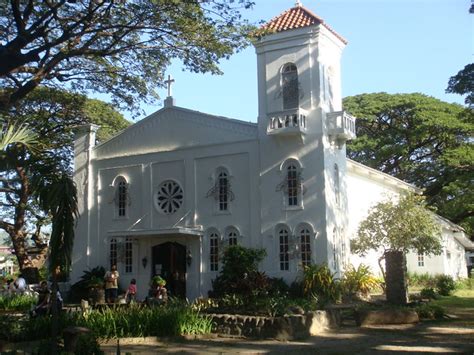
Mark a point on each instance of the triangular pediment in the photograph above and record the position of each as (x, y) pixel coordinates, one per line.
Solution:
(174, 128)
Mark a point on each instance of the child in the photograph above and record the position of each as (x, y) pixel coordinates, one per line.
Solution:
(130, 295)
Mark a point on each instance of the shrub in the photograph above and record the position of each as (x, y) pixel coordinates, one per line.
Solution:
(430, 311)
(239, 274)
(176, 318)
(445, 285)
(358, 280)
(421, 280)
(93, 278)
(21, 303)
(428, 293)
(319, 283)
(87, 344)
(278, 286)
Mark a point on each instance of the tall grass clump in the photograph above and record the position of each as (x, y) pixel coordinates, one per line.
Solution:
(20, 303)
(320, 283)
(358, 281)
(177, 318)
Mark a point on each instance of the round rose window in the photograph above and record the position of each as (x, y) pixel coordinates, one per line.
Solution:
(169, 197)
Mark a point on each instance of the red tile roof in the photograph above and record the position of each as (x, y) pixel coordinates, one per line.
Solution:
(297, 17)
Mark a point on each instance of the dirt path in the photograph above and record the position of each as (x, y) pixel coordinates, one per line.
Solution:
(424, 338)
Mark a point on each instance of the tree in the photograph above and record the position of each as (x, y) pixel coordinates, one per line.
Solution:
(118, 47)
(463, 84)
(394, 229)
(17, 135)
(421, 140)
(30, 180)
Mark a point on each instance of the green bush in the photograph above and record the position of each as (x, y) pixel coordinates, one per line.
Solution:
(87, 344)
(360, 280)
(445, 285)
(465, 284)
(421, 280)
(92, 278)
(239, 274)
(319, 283)
(428, 293)
(20, 303)
(430, 311)
(176, 318)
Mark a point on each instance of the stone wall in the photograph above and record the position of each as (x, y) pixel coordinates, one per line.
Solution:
(282, 328)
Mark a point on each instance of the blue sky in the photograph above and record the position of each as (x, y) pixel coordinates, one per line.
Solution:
(396, 46)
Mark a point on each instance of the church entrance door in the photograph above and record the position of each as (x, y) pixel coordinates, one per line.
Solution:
(169, 261)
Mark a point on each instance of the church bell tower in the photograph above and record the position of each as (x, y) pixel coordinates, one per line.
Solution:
(302, 133)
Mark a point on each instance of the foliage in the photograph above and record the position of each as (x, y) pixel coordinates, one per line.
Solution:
(404, 226)
(118, 47)
(320, 284)
(239, 273)
(360, 280)
(430, 311)
(465, 284)
(445, 285)
(17, 135)
(21, 303)
(36, 183)
(423, 141)
(463, 84)
(92, 278)
(176, 318)
(416, 280)
(158, 280)
(428, 293)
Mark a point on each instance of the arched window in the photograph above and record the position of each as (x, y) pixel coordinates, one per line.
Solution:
(292, 181)
(305, 246)
(122, 199)
(289, 83)
(128, 255)
(113, 256)
(337, 187)
(283, 237)
(291, 184)
(232, 236)
(214, 251)
(335, 256)
(223, 190)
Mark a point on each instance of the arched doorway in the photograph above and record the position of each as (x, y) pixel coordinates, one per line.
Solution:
(169, 261)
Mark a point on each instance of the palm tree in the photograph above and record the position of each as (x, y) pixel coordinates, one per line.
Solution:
(60, 199)
(17, 135)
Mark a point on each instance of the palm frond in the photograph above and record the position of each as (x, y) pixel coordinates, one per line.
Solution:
(12, 134)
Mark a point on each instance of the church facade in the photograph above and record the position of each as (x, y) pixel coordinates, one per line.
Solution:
(168, 194)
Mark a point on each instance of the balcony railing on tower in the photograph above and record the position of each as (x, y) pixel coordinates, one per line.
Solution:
(287, 122)
(341, 126)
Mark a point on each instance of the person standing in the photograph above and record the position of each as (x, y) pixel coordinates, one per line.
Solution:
(20, 284)
(130, 295)
(111, 284)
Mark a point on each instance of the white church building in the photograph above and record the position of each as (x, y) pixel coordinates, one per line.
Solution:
(169, 193)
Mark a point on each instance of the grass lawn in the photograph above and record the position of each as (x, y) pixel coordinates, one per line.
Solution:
(459, 306)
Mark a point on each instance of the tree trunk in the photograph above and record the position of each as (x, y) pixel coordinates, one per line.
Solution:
(395, 270)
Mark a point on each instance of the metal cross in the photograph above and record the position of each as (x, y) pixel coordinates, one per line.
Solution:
(168, 83)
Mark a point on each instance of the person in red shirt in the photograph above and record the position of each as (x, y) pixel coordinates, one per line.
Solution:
(131, 293)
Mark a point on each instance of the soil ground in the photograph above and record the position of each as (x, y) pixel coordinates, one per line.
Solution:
(454, 335)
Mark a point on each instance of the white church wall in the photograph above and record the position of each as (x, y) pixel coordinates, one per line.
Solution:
(450, 262)
(192, 169)
(364, 190)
